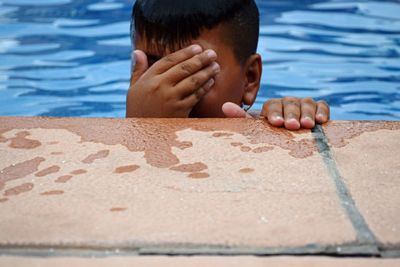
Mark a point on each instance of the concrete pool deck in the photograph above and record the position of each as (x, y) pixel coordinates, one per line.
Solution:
(134, 191)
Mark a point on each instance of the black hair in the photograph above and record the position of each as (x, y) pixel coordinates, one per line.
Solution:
(174, 24)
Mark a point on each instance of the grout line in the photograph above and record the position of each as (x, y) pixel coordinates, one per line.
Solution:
(364, 234)
(346, 250)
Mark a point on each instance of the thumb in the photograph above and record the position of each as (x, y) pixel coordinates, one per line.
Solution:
(232, 110)
(139, 65)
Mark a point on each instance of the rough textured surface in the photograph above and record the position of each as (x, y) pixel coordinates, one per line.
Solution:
(368, 158)
(201, 262)
(84, 187)
(212, 194)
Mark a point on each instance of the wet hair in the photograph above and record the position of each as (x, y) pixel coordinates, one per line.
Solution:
(173, 24)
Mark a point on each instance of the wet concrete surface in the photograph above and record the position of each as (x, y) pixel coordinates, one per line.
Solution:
(197, 187)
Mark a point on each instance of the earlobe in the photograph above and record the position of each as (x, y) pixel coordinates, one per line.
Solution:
(253, 70)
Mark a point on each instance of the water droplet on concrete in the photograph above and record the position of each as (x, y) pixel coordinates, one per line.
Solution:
(263, 219)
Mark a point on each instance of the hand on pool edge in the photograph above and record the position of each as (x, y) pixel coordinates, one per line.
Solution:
(290, 112)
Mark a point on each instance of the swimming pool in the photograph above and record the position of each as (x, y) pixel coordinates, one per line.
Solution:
(72, 57)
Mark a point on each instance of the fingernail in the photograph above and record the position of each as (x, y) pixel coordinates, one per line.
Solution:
(196, 49)
(209, 84)
(215, 67)
(211, 54)
(277, 116)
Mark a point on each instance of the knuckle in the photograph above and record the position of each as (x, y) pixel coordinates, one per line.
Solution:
(323, 102)
(198, 61)
(307, 100)
(273, 101)
(205, 76)
(290, 100)
(153, 85)
(264, 108)
(199, 93)
(291, 115)
(308, 103)
(169, 58)
(266, 105)
(169, 98)
(185, 67)
(195, 81)
(307, 114)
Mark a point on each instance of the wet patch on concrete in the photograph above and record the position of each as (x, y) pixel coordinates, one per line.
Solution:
(262, 149)
(194, 167)
(63, 179)
(235, 144)
(158, 136)
(19, 170)
(48, 171)
(57, 153)
(78, 172)
(118, 209)
(52, 192)
(246, 170)
(183, 145)
(207, 149)
(125, 169)
(99, 155)
(53, 143)
(245, 148)
(222, 134)
(23, 188)
(199, 175)
(20, 141)
(339, 133)
(2, 200)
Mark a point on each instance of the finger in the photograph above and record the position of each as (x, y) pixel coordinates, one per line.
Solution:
(272, 111)
(189, 67)
(232, 110)
(308, 109)
(323, 112)
(291, 111)
(171, 60)
(140, 65)
(190, 101)
(191, 84)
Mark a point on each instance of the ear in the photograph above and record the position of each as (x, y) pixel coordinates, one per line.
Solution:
(252, 71)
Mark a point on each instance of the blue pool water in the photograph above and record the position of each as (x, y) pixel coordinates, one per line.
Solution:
(72, 57)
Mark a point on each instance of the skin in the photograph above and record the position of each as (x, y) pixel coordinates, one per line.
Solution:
(206, 80)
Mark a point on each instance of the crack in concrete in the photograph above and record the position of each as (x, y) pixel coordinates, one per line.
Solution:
(364, 234)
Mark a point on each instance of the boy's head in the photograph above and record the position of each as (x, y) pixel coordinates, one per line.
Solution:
(229, 27)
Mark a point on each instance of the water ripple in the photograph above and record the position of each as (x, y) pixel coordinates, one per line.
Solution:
(72, 57)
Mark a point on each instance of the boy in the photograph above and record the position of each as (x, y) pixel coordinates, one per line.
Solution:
(198, 59)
